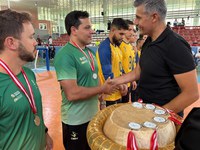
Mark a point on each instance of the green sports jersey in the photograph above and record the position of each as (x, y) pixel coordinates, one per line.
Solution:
(71, 63)
(17, 128)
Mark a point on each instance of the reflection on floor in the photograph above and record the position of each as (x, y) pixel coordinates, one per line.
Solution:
(49, 88)
(51, 99)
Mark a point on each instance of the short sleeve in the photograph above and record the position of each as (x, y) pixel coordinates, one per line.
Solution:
(65, 67)
(179, 57)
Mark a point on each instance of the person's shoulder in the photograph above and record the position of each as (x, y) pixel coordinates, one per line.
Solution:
(65, 54)
(28, 70)
(176, 40)
(104, 45)
(65, 50)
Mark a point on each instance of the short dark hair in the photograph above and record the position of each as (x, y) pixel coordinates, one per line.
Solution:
(140, 37)
(72, 19)
(119, 23)
(129, 22)
(11, 24)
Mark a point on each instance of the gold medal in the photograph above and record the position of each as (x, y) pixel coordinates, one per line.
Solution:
(37, 120)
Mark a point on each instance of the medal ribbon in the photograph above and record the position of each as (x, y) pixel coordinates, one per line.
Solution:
(154, 141)
(91, 60)
(140, 100)
(131, 142)
(173, 116)
(20, 85)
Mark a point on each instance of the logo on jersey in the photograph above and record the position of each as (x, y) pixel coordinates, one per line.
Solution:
(83, 60)
(34, 84)
(16, 96)
(74, 136)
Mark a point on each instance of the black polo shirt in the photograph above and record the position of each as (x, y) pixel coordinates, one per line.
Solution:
(160, 60)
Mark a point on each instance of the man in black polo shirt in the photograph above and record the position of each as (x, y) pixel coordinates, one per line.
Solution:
(166, 70)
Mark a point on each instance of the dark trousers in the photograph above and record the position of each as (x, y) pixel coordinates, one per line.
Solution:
(74, 137)
(108, 103)
(125, 99)
(134, 93)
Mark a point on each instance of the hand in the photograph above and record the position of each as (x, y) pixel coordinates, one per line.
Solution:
(102, 103)
(102, 106)
(114, 82)
(123, 88)
(49, 142)
(108, 87)
(100, 97)
(134, 85)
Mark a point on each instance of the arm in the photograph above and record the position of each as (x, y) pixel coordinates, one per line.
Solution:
(129, 77)
(189, 91)
(74, 92)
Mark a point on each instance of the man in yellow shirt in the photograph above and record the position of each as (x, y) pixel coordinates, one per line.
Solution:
(109, 58)
(128, 56)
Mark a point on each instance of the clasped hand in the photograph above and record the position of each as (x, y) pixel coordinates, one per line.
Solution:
(111, 86)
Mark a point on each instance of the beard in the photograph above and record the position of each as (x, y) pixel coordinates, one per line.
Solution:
(116, 41)
(24, 54)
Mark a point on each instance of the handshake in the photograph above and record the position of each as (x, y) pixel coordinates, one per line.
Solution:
(112, 85)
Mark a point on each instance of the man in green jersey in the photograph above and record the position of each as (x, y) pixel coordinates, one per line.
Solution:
(21, 121)
(77, 72)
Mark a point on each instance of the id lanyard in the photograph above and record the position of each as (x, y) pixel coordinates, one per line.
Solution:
(20, 85)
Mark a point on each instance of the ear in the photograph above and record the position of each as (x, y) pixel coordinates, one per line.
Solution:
(155, 17)
(11, 43)
(73, 30)
(113, 29)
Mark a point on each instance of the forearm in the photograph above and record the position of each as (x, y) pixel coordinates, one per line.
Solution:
(126, 78)
(183, 100)
(189, 91)
(82, 93)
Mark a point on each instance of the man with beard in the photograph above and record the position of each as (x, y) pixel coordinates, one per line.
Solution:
(21, 120)
(166, 70)
(109, 59)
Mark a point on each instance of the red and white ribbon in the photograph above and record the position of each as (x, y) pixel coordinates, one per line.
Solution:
(131, 142)
(20, 85)
(154, 141)
(173, 116)
(91, 60)
(140, 100)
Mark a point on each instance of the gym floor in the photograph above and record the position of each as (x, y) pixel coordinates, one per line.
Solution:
(51, 98)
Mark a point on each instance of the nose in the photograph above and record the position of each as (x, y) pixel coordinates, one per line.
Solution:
(92, 31)
(123, 36)
(35, 42)
(135, 21)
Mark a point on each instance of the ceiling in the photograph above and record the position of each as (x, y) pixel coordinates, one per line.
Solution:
(56, 9)
(33, 4)
(28, 4)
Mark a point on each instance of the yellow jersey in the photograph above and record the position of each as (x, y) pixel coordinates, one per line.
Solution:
(109, 59)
